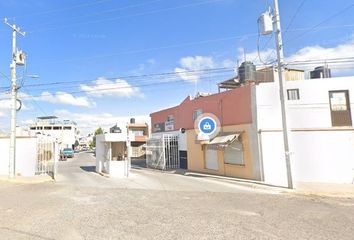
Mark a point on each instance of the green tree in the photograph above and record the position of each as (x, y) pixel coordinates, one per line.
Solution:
(97, 132)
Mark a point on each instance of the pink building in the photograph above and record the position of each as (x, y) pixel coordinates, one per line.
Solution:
(234, 111)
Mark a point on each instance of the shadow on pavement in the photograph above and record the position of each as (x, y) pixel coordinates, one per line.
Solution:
(141, 163)
(88, 168)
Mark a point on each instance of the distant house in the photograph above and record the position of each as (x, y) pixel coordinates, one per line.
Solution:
(66, 131)
(321, 122)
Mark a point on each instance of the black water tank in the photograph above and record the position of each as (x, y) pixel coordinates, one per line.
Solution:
(320, 72)
(247, 71)
(132, 120)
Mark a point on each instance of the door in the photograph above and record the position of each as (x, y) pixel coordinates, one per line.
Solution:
(211, 159)
(340, 108)
(183, 163)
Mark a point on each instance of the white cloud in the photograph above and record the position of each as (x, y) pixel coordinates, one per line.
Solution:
(190, 64)
(318, 52)
(118, 88)
(65, 98)
(5, 103)
(89, 122)
(343, 50)
(315, 52)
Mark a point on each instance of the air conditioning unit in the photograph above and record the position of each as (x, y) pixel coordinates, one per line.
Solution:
(20, 58)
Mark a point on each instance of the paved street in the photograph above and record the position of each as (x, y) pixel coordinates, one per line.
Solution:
(153, 205)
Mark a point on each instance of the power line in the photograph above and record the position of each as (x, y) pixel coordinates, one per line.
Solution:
(60, 9)
(104, 89)
(269, 39)
(127, 16)
(175, 73)
(294, 16)
(35, 102)
(313, 28)
(136, 51)
(103, 12)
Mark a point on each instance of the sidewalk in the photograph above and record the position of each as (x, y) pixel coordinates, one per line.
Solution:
(325, 189)
(302, 188)
(27, 180)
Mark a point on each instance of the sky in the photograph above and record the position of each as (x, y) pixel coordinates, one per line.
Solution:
(98, 60)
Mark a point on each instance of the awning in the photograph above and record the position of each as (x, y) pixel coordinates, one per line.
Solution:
(225, 139)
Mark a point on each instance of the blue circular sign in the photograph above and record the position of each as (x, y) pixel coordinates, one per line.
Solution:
(207, 125)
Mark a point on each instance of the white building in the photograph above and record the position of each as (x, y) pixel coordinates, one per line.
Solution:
(322, 133)
(65, 131)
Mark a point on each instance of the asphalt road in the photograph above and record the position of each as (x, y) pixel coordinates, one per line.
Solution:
(153, 205)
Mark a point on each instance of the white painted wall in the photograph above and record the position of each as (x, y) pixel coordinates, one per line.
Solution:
(319, 156)
(321, 153)
(103, 154)
(26, 156)
(311, 111)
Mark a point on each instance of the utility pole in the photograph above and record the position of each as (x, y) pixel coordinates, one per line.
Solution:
(282, 92)
(12, 159)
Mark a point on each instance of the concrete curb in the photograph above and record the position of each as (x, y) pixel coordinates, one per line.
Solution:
(27, 180)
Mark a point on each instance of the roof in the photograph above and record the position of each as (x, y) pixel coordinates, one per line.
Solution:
(47, 117)
(231, 83)
(138, 125)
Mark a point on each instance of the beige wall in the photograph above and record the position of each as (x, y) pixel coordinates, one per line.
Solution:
(119, 150)
(196, 159)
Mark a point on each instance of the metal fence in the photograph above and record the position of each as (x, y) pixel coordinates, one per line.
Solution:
(46, 157)
(162, 153)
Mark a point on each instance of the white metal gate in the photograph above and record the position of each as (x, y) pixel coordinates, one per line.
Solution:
(162, 153)
(46, 156)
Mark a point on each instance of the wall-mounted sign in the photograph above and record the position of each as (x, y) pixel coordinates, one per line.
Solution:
(159, 127)
(169, 126)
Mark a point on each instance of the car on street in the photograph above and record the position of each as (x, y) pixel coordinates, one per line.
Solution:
(68, 152)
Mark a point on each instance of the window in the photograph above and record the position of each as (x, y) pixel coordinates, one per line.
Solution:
(170, 118)
(233, 154)
(293, 94)
(340, 108)
(197, 113)
(56, 128)
(47, 128)
(67, 128)
(33, 128)
(39, 128)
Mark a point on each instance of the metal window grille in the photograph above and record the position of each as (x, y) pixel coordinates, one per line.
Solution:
(162, 153)
(293, 94)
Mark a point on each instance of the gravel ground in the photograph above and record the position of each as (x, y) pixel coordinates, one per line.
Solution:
(155, 205)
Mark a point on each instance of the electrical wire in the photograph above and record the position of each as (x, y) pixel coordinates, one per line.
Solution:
(294, 16)
(127, 16)
(60, 9)
(100, 13)
(156, 83)
(144, 76)
(136, 51)
(314, 28)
